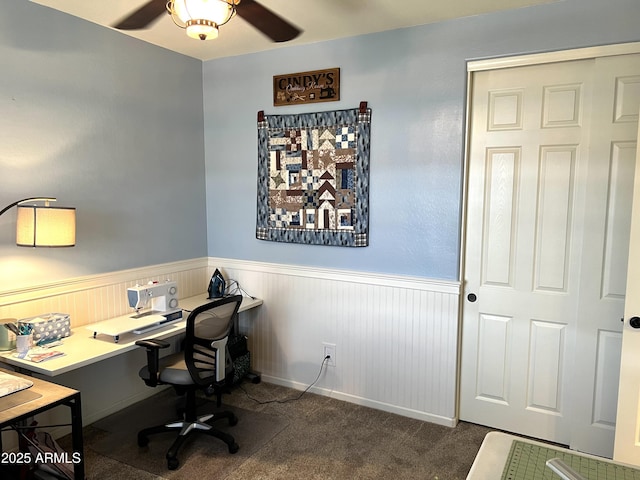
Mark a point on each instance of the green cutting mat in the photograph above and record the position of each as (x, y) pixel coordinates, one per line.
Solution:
(527, 462)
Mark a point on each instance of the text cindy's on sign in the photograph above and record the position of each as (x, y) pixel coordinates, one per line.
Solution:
(306, 87)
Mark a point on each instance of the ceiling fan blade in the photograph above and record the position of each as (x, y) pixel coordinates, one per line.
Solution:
(269, 23)
(144, 16)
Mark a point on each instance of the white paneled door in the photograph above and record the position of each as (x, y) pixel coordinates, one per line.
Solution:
(551, 163)
(627, 443)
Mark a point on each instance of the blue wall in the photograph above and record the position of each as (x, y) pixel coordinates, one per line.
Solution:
(415, 82)
(108, 124)
(115, 127)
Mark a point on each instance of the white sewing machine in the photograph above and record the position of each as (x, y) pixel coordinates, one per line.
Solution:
(156, 306)
(162, 298)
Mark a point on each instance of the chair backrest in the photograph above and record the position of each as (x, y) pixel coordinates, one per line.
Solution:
(208, 327)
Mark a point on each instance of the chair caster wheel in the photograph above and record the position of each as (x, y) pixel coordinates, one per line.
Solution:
(233, 421)
(172, 463)
(142, 441)
(233, 448)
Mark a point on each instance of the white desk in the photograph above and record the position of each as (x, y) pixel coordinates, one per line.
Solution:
(81, 349)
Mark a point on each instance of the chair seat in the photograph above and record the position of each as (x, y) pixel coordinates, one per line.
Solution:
(173, 370)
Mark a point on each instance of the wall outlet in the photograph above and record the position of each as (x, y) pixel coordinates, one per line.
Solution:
(330, 350)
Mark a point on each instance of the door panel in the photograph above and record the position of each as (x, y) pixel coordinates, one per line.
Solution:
(616, 245)
(527, 134)
(554, 219)
(551, 167)
(498, 255)
(607, 378)
(627, 435)
(611, 169)
(546, 364)
(494, 359)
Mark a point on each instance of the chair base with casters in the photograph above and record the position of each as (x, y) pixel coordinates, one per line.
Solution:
(203, 365)
(191, 424)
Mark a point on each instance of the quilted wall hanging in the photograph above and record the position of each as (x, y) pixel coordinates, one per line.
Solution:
(313, 177)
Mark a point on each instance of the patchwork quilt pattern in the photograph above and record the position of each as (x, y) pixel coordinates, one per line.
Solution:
(313, 178)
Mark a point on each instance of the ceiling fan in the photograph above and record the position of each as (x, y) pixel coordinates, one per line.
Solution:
(269, 23)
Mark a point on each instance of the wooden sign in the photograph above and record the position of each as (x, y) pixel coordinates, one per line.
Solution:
(306, 87)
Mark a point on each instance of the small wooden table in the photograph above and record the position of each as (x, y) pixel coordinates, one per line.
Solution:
(50, 395)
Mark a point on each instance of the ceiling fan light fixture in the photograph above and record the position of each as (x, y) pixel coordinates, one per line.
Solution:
(201, 18)
(202, 29)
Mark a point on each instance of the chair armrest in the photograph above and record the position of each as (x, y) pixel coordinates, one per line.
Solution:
(153, 347)
(153, 343)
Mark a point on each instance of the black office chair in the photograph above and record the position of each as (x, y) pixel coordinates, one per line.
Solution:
(203, 365)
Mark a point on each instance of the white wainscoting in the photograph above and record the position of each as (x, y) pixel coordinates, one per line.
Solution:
(396, 337)
(94, 298)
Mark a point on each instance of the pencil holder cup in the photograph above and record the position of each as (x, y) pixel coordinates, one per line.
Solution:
(23, 343)
(7, 337)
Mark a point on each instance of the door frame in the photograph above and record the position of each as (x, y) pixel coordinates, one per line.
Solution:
(496, 64)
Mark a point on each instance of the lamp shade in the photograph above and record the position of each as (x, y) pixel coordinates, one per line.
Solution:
(44, 226)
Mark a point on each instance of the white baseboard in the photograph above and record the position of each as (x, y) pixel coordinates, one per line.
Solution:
(365, 402)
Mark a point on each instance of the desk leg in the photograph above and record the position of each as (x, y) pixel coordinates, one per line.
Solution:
(76, 436)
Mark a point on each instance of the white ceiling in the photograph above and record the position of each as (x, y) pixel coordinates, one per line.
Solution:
(319, 19)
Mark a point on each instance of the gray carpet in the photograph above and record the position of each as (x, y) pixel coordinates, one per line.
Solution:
(314, 437)
(117, 442)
